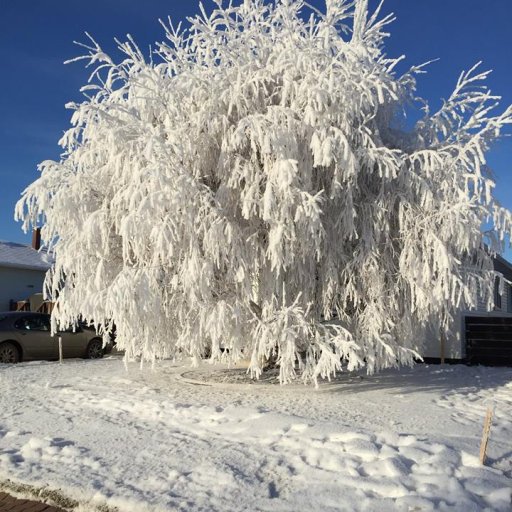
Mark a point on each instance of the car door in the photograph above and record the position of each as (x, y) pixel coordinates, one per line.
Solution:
(73, 342)
(33, 332)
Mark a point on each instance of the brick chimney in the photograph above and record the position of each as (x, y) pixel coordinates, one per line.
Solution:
(36, 239)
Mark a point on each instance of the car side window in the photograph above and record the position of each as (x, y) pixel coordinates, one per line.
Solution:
(21, 323)
(32, 323)
(45, 322)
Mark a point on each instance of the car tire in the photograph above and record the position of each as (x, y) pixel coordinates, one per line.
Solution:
(9, 353)
(94, 349)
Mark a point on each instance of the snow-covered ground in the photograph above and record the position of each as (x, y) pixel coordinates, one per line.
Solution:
(162, 439)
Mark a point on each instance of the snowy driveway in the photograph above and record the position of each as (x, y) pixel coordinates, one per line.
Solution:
(154, 440)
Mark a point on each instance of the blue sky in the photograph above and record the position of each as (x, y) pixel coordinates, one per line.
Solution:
(36, 37)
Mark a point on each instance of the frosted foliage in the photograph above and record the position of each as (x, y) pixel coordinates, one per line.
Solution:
(248, 187)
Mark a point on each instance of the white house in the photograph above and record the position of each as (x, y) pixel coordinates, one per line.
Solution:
(480, 330)
(22, 270)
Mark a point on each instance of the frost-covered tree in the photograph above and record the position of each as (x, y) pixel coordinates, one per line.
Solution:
(249, 187)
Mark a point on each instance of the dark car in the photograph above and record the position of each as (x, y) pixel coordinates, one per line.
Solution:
(27, 336)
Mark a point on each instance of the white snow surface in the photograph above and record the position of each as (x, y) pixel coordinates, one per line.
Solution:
(163, 439)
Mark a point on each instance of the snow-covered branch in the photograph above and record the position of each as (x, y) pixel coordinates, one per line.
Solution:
(245, 192)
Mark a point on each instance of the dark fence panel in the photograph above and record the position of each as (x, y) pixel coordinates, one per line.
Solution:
(489, 340)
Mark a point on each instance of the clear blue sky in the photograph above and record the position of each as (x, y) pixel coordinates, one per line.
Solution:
(37, 36)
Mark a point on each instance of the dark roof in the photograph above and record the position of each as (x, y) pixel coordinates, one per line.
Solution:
(13, 255)
(503, 266)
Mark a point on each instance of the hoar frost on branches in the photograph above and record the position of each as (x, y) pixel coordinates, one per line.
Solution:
(247, 188)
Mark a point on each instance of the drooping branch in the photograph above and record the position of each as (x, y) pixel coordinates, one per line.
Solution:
(246, 188)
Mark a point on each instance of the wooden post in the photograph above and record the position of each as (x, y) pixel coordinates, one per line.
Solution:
(485, 435)
(60, 349)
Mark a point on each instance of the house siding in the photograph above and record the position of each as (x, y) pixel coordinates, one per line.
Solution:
(19, 284)
(455, 344)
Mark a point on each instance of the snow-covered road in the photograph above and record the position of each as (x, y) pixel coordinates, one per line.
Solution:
(162, 439)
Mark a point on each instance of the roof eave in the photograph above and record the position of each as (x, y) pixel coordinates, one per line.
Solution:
(503, 266)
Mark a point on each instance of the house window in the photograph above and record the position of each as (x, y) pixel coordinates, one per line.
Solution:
(497, 295)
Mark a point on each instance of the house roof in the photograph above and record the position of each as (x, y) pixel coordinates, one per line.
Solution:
(13, 255)
(503, 266)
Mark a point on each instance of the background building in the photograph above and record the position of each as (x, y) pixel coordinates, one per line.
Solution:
(481, 335)
(22, 271)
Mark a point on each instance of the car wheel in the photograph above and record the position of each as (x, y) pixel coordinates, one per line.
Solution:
(9, 353)
(94, 350)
